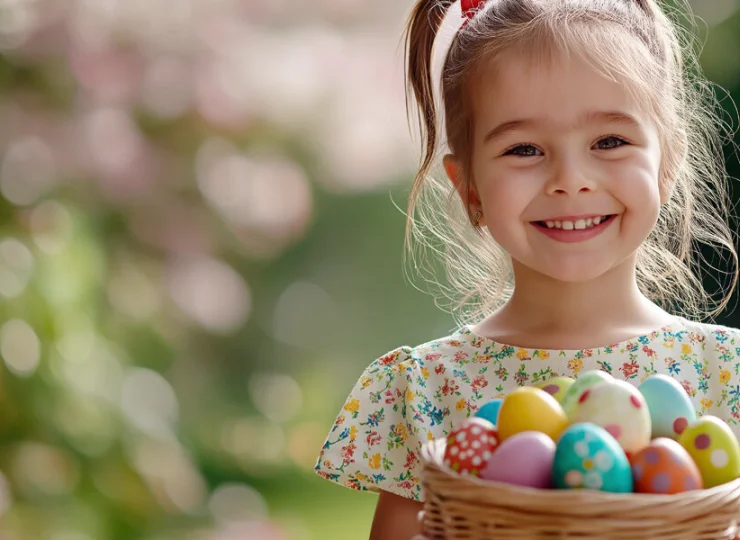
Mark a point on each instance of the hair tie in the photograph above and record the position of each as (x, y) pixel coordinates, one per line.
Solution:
(471, 7)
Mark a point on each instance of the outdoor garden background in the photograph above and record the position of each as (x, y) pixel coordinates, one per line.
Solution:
(200, 250)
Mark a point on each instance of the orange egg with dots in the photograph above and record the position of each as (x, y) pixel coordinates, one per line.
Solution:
(665, 467)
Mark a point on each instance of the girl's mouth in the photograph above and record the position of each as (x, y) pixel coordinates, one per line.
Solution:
(573, 231)
(580, 224)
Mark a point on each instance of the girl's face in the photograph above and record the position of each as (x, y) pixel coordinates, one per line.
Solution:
(566, 167)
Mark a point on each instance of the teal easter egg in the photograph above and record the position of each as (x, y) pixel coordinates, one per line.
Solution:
(557, 387)
(585, 380)
(490, 410)
(671, 410)
(588, 457)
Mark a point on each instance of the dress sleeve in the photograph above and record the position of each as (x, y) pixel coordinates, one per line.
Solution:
(722, 371)
(375, 441)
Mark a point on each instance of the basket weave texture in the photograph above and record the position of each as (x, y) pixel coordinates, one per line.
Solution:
(468, 508)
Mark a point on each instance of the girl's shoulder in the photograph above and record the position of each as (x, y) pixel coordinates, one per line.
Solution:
(456, 347)
(709, 333)
(404, 398)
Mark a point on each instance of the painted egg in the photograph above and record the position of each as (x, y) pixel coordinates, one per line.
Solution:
(664, 466)
(586, 380)
(490, 410)
(557, 387)
(620, 409)
(524, 459)
(671, 410)
(531, 409)
(588, 457)
(714, 448)
(470, 446)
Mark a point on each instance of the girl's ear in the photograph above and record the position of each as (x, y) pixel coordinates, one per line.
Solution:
(465, 189)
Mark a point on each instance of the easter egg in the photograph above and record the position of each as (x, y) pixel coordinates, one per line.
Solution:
(714, 448)
(671, 410)
(586, 380)
(664, 466)
(470, 446)
(588, 457)
(557, 387)
(524, 459)
(620, 409)
(490, 410)
(531, 409)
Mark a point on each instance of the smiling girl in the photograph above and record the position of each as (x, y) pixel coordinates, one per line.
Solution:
(583, 166)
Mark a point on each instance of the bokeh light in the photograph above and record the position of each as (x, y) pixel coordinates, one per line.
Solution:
(237, 503)
(277, 396)
(51, 226)
(16, 267)
(257, 444)
(28, 171)
(40, 469)
(20, 347)
(211, 293)
(149, 402)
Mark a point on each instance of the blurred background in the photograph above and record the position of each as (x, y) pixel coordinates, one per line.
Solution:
(200, 250)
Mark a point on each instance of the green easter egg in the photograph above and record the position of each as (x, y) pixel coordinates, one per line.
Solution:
(557, 387)
(585, 380)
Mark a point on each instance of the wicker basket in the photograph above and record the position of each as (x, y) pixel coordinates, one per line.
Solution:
(467, 508)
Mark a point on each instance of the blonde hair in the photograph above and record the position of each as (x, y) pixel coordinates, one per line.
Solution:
(631, 40)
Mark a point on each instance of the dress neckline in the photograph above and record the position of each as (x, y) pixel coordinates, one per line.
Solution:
(673, 328)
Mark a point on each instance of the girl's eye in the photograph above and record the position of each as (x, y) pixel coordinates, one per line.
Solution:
(523, 150)
(609, 143)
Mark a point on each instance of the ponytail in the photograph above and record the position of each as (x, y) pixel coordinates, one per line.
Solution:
(419, 36)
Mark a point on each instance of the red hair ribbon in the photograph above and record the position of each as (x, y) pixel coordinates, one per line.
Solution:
(471, 7)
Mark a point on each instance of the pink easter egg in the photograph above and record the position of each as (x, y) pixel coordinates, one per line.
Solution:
(524, 459)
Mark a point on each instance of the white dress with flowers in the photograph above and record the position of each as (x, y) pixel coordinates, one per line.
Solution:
(415, 394)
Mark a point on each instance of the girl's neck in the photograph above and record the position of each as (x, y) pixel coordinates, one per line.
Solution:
(545, 313)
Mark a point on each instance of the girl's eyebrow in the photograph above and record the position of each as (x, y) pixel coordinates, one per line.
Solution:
(592, 117)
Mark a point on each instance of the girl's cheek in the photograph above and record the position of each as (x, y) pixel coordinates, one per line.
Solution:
(637, 183)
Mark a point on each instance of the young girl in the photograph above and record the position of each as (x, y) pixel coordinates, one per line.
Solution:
(584, 167)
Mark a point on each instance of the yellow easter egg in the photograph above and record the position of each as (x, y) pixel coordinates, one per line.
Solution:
(531, 409)
(557, 387)
(714, 448)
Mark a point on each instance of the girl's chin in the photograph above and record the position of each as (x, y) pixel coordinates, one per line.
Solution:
(571, 272)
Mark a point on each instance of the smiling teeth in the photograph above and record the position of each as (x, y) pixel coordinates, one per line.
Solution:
(577, 225)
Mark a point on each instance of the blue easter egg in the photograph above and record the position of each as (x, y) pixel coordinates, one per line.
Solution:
(588, 457)
(490, 410)
(671, 409)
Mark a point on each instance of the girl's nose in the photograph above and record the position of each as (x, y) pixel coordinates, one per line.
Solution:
(569, 177)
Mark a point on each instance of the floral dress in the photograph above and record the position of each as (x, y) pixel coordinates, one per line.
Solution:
(416, 394)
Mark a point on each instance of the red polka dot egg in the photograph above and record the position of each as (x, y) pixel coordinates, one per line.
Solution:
(620, 409)
(664, 467)
(470, 446)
